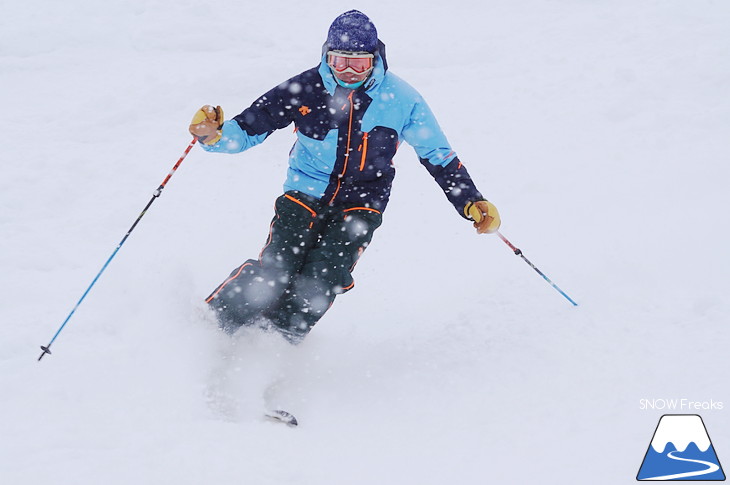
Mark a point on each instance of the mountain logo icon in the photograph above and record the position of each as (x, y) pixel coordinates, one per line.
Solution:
(681, 450)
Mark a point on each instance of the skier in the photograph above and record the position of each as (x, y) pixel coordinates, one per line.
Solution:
(350, 114)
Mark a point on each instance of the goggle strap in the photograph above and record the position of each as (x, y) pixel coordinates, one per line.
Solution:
(351, 54)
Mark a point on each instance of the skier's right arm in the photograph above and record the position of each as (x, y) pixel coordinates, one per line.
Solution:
(248, 129)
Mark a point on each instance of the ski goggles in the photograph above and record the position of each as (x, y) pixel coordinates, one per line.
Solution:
(355, 62)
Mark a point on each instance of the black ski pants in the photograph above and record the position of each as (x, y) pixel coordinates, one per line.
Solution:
(307, 261)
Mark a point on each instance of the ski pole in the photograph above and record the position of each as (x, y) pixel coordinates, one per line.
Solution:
(47, 348)
(518, 252)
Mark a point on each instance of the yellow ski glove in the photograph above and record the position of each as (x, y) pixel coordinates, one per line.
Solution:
(207, 123)
(485, 216)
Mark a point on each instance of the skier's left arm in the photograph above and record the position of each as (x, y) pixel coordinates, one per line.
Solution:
(424, 134)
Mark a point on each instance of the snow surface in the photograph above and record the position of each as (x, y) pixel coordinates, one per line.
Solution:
(598, 128)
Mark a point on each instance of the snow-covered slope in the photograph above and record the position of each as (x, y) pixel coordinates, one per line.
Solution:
(599, 129)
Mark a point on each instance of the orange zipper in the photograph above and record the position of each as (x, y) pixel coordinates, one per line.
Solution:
(297, 201)
(362, 209)
(223, 285)
(364, 147)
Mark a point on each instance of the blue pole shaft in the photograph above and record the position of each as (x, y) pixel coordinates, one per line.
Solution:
(83, 296)
(518, 252)
(47, 348)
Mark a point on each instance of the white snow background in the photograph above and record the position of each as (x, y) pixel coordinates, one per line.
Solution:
(600, 129)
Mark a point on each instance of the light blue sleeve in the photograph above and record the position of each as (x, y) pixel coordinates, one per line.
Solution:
(424, 134)
(234, 139)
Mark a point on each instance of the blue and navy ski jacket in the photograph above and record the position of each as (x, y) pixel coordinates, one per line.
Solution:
(346, 138)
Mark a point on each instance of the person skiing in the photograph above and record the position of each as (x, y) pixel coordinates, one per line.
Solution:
(350, 115)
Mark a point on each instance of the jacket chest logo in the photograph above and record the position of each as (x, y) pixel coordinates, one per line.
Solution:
(304, 110)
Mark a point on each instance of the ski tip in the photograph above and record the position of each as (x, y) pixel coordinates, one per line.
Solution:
(282, 417)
